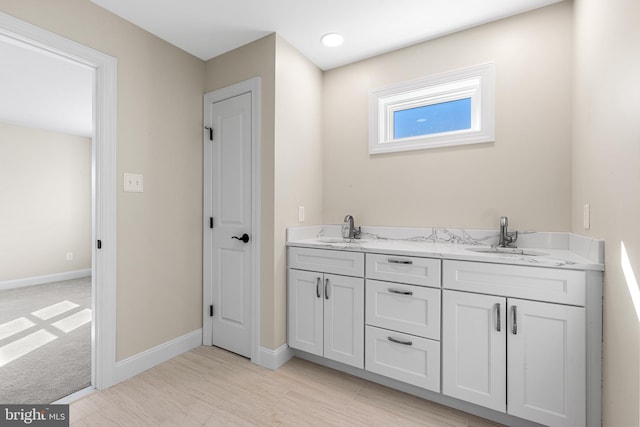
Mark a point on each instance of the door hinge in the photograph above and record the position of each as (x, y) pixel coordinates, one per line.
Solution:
(210, 129)
(211, 222)
(99, 244)
(211, 310)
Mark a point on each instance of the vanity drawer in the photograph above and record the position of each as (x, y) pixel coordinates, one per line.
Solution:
(327, 261)
(404, 269)
(403, 357)
(407, 308)
(535, 283)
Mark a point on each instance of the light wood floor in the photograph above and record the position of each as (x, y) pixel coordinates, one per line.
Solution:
(208, 386)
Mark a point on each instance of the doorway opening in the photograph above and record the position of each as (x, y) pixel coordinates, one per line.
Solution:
(65, 315)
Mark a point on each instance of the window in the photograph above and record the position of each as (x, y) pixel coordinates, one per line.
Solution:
(447, 109)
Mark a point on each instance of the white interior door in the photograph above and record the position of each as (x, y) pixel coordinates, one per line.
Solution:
(231, 210)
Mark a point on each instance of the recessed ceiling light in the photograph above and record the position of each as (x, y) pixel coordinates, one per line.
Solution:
(332, 39)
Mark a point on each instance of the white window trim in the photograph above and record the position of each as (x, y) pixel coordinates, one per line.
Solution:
(475, 82)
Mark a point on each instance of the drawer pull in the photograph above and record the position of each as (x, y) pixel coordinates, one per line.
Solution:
(326, 288)
(514, 325)
(399, 261)
(318, 287)
(395, 291)
(397, 341)
(498, 324)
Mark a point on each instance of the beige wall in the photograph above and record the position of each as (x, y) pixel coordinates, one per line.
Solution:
(606, 175)
(159, 134)
(45, 189)
(257, 59)
(298, 160)
(291, 156)
(525, 174)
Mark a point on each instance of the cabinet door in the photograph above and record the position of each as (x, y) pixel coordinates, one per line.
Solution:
(305, 311)
(344, 319)
(547, 363)
(474, 348)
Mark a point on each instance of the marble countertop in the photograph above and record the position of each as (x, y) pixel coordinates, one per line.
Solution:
(557, 250)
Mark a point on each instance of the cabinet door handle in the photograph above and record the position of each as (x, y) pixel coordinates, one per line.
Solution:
(326, 288)
(514, 316)
(399, 261)
(395, 291)
(498, 324)
(397, 341)
(318, 287)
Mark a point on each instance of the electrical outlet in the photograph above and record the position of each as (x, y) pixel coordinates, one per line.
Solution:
(69, 256)
(301, 213)
(133, 183)
(586, 217)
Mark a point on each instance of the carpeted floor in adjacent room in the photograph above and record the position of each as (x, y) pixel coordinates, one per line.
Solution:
(45, 341)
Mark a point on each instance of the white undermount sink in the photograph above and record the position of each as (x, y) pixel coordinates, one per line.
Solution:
(508, 251)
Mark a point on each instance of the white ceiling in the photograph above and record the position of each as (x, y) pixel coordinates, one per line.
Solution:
(44, 91)
(208, 28)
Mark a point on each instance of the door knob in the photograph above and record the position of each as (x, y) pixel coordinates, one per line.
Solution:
(244, 238)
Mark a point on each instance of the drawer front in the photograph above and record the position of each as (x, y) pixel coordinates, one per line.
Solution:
(416, 362)
(406, 308)
(327, 261)
(542, 284)
(404, 269)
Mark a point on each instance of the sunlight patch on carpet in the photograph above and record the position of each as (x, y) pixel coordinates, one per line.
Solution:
(19, 348)
(13, 327)
(54, 310)
(74, 321)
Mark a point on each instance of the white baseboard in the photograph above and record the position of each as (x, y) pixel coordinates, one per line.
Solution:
(75, 396)
(273, 359)
(48, 278)
(134, 365)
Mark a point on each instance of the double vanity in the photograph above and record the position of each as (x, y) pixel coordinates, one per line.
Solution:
(509, 334)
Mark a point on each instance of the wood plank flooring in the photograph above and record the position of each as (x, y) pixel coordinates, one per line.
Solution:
(208, 386)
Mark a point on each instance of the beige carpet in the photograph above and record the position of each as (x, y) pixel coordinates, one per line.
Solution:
(45, 341)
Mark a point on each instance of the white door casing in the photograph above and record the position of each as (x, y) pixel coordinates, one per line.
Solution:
(103, 159)
(231, 268)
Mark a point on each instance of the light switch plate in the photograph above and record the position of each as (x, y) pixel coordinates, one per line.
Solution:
(133, 183)
(301, 213)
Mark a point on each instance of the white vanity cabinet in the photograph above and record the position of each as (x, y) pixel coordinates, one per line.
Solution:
(403, 319)
(326, 310)
(508, 345)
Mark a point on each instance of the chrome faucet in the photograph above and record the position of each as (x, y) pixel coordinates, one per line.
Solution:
(353, 232)
(507, 238)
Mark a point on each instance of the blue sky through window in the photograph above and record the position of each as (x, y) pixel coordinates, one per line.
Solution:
(435, 118)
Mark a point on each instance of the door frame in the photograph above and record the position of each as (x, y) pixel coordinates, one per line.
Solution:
(103, 183)
(248, 86)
